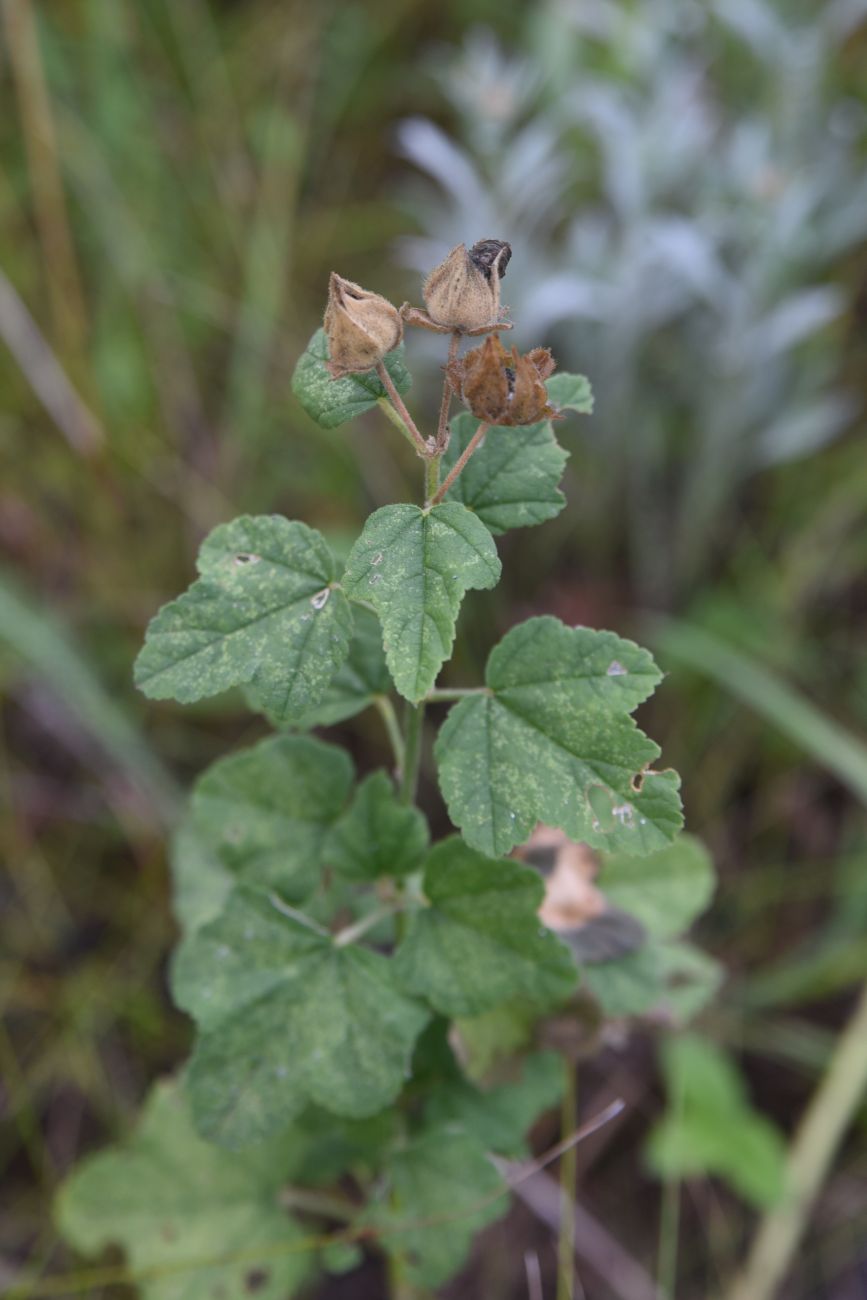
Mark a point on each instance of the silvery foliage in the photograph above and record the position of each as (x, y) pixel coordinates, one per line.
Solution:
(691, 168)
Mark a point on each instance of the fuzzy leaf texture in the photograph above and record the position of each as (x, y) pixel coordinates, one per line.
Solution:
(414, 567)
(500, 1116)
(511, 481)
(286, 1017)
(571, 392)
(552, 741)
(378, 835)
(443, 1181)
(331, 402)
(262, 614)
(480, 942)
(266, 812)
(169, 1199)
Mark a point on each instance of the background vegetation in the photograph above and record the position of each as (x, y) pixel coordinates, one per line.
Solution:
(684, 188)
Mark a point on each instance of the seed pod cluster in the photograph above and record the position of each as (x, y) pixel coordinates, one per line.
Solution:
(501, 387)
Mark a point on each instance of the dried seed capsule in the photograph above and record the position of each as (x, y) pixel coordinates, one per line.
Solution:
(501, 387)
(463, 292)
(361, 327)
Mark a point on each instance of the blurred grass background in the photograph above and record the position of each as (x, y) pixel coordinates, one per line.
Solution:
(685, 191)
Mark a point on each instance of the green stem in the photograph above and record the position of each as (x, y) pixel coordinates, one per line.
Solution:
(440, 696)
(350, 933)
(392, 727)
(412, 752)
(568, 1173)
(814, 1145)
(309, 1201)
(431, 479)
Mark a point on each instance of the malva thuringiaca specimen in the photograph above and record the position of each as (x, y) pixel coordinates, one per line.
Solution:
(371, 1011)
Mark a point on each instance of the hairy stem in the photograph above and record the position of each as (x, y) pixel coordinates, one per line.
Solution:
(392, 727)
(399, 405)
(412, 752)
(351, 933)
(431, 479)
(813, 1148)
(459, 464)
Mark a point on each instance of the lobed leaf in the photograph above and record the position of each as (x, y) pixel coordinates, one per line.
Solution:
(571, 393)
(414, 567)
(480, 942)
(378, 835)
(511, 481)
(500, 1116)
(331, 402)
(171, 1201)
(358, 681)
(264, 613)
(287, 1017)
(267, 811)
(711, 1127)
(439, 1191)
(550, 740)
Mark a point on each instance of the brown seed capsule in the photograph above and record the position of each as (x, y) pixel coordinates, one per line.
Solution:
(463, 292)
(503, 387)
(361, 327)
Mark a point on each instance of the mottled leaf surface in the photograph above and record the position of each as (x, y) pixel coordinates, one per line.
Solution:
(511, 480)
(201, 880)
(287, 1017)
(571, 393)
(551, 740)
(358, 681)
(480, 942)
(331, 402)
(171, 1200)
(443, 1182)
(266, 812)
(378, 835)
(414, 567)
(263, 614)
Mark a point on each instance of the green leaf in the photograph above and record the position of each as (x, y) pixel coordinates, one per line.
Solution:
(358, 681)
(171, 1200)
(673, 976)
(263, 614)
(287, 1017)
(711, 1128)
(331, 402)
(414, 567)
(551, 741)
(202, 882)
(665, 890)
(500, 1117)
(378, 836)
(571, 393)
(266, 812)
(512, 480)
(444, 1183)
(480, 941)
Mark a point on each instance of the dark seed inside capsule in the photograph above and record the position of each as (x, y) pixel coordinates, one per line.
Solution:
(485, 253)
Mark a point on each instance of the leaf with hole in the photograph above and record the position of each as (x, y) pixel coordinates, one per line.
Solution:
(172, 1202)
(551, 740)
(511, 480)
(480, 941)
(331, 402)
(264, 614)
(414, 567)
(286, 1017)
